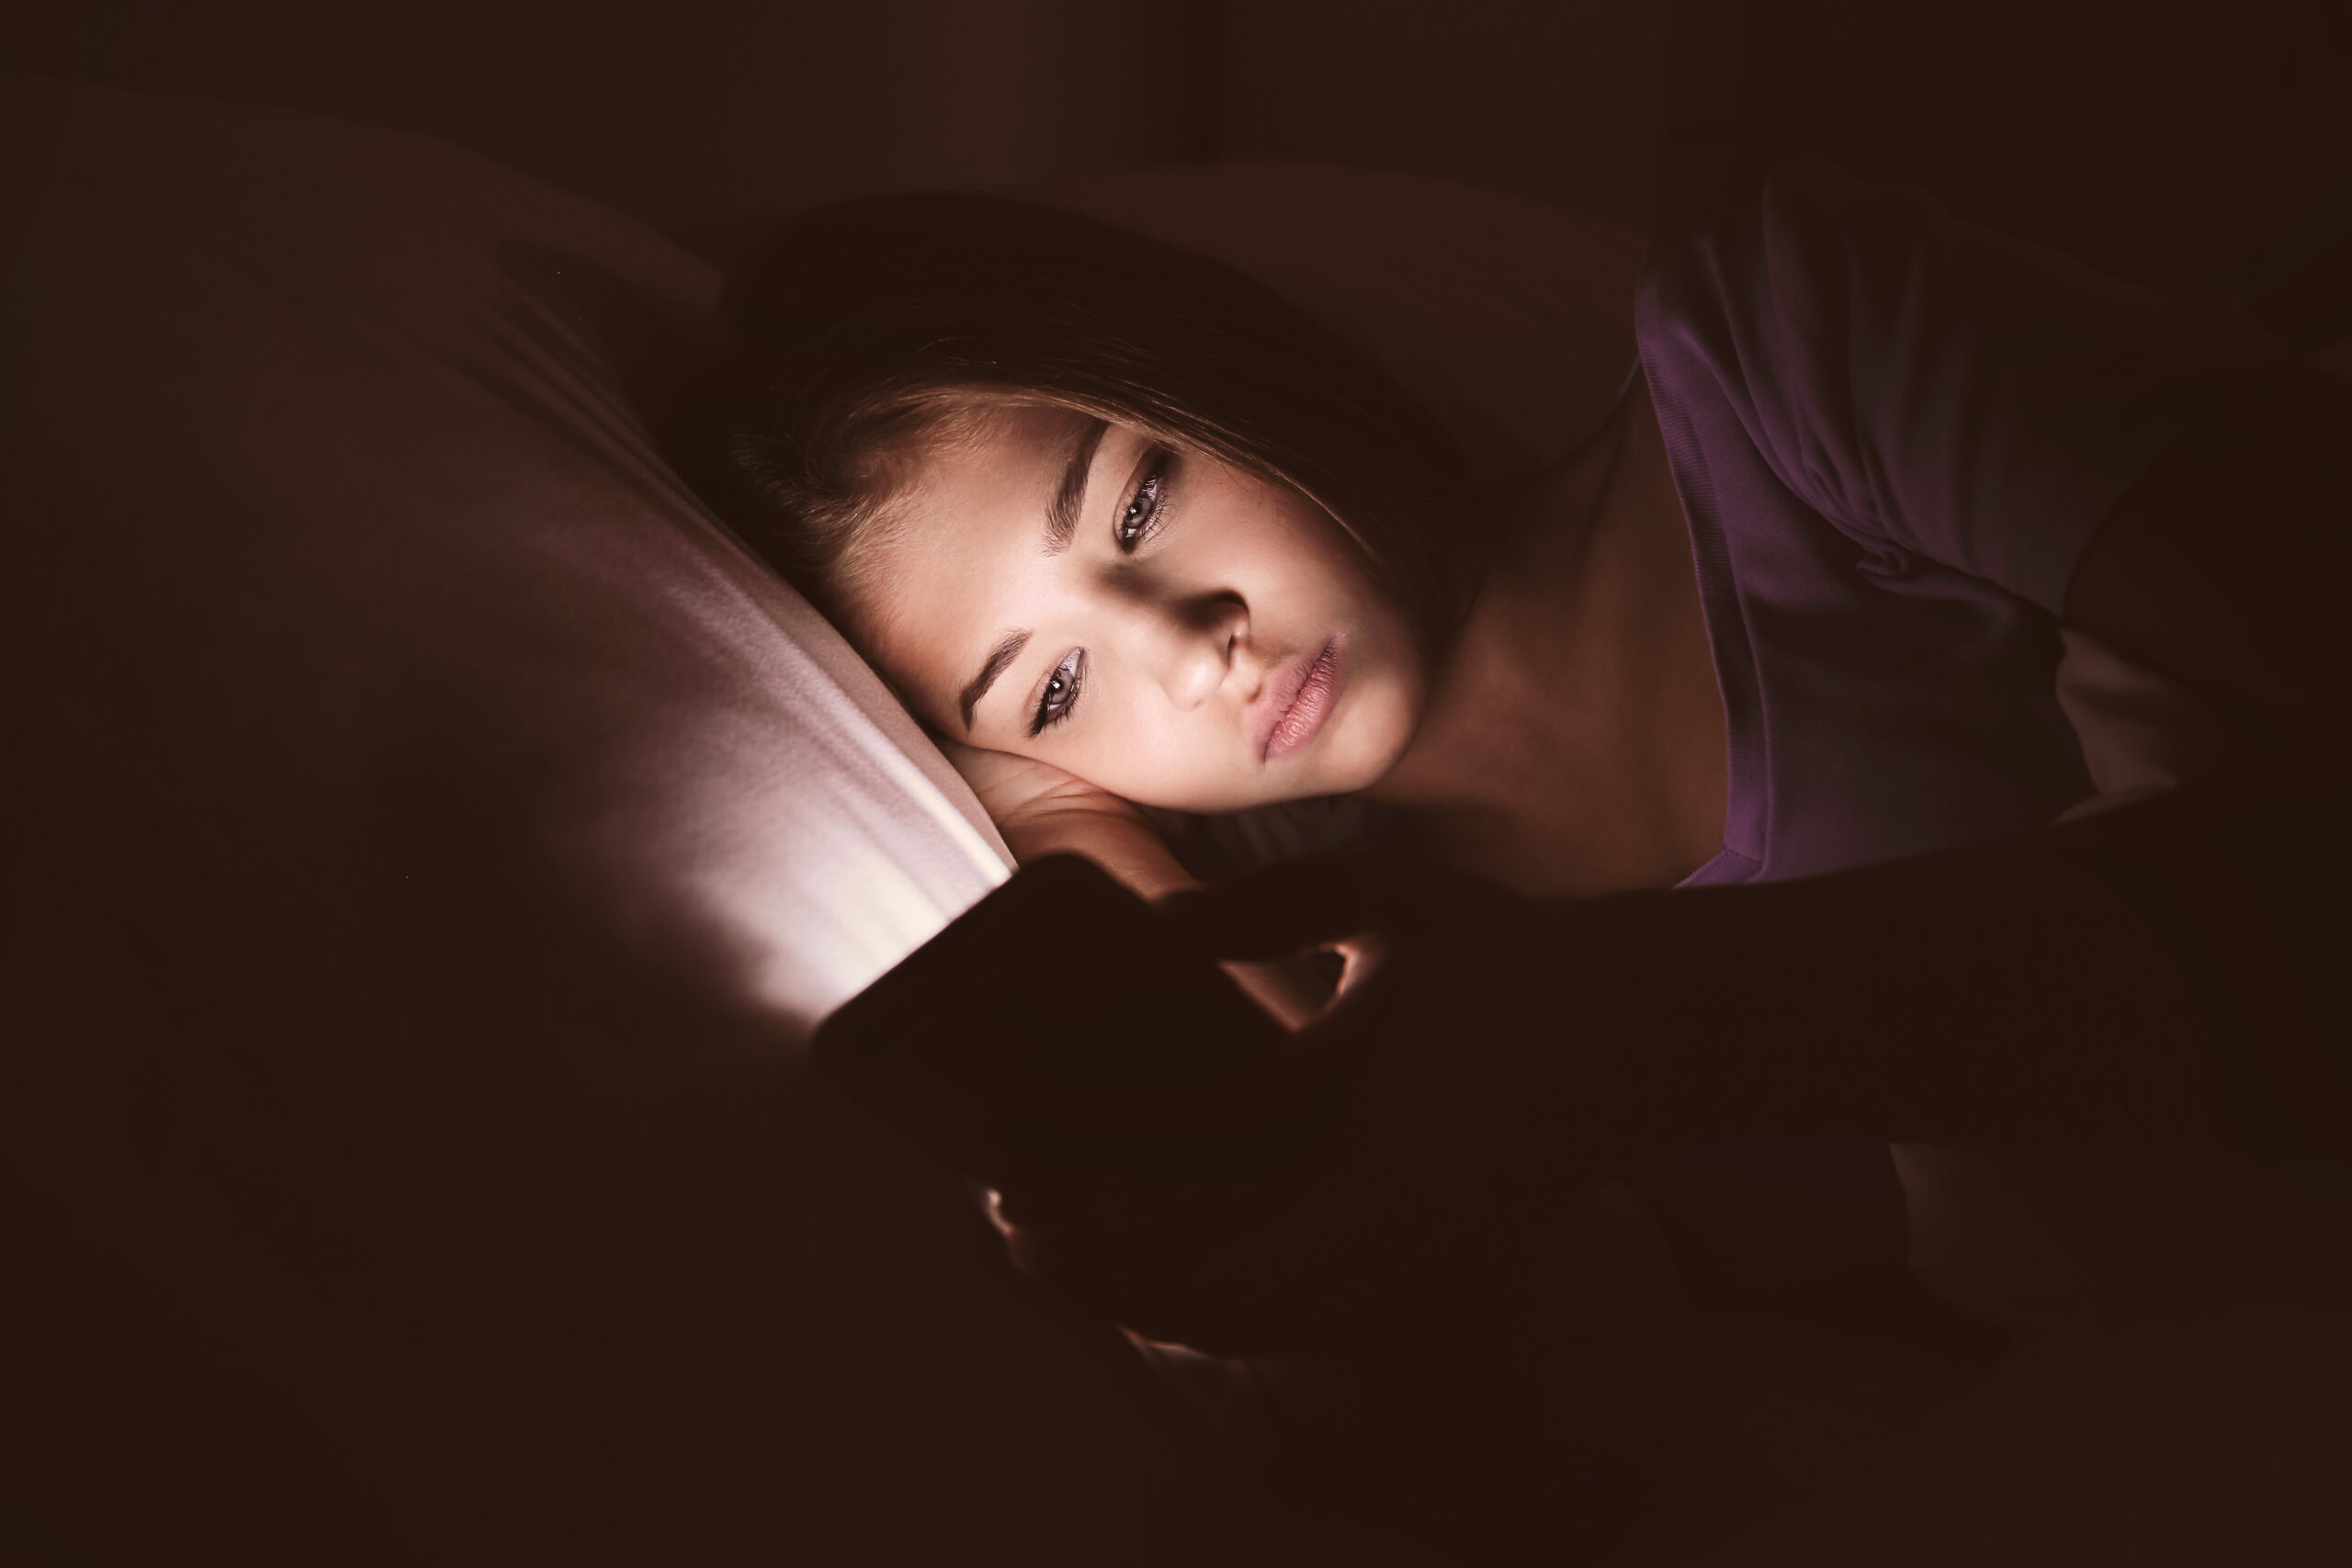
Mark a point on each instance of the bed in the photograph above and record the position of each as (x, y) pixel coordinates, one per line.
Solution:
(433, 836)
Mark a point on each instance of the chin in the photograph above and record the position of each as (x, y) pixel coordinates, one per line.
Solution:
(1363, 740)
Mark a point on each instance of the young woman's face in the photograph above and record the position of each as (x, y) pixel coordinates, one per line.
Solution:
(1164, 627)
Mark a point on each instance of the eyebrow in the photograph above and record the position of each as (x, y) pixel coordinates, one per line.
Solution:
(1069, 496)
(999, 660)
(1061, 527)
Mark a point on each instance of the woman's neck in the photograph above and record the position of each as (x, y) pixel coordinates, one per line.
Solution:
(1574, 742)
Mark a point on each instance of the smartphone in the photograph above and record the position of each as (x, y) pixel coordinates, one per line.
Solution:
(1061, 979)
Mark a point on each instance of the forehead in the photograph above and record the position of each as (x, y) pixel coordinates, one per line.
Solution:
(967, 549)
(989, 444)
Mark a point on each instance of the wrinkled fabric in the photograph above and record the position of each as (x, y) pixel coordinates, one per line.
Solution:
(1894, 434)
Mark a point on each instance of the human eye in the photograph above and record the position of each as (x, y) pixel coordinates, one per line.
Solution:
(1141, 519)
(1060, 695)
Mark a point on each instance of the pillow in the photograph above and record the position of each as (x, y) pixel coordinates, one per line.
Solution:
(430, 836)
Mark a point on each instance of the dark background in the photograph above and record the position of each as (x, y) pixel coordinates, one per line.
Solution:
(2213, 139)
(2208, 139)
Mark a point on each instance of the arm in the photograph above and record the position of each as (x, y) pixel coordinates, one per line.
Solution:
(2108, 983)
(2165, 967)
(2199, 932)
(2154, 954)
(2136, 458)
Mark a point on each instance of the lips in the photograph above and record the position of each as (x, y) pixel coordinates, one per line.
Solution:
(1299, 699)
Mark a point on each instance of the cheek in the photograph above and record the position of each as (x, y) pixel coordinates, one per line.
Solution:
(1154, 758)
(1303, 547)
(1340, 583)
(1378, 724)
(1136, 746)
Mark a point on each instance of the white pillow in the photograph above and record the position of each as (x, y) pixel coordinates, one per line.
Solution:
(433, 835)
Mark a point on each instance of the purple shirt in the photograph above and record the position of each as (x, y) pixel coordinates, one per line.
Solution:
(1894, 434)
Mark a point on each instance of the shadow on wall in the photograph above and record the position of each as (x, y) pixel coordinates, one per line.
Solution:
(691, 115)
(2209, 139)
(1558, 100)
(2213, 139)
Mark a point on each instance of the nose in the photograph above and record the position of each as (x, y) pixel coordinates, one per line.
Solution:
(1189, 644)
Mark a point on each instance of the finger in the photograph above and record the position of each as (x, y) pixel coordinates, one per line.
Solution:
(1289, 909)
(1360, 960)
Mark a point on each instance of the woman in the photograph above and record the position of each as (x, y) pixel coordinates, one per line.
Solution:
(1127, 535)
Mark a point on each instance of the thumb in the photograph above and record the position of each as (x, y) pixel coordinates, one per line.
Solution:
(1287, 908)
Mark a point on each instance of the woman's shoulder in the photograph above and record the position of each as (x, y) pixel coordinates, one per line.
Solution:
(1924, 383)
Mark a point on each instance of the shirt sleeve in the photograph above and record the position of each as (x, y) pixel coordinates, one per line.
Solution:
(1935, 388)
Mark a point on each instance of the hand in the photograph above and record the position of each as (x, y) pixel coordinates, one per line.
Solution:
(1426, 1120)
(1030, 800)
(1043, 810)
(1460, 1343)
(2098, 981)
